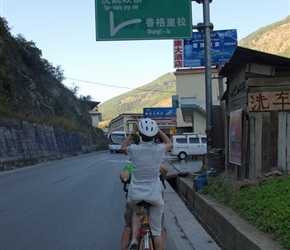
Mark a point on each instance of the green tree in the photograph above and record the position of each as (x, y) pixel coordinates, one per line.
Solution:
(85, 98)
(30, 54)
(58, 73)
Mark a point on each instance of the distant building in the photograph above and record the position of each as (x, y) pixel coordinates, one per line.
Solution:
(96, 118)
(189, 102)
(190, 95)
(124, 122)
(94, 113)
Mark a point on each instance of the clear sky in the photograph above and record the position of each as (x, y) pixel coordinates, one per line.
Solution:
(64, 30)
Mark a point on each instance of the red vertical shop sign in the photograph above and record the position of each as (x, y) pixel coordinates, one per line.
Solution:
(178, 53)
(235, 137)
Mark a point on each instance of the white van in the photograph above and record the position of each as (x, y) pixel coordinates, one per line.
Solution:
(188, 144)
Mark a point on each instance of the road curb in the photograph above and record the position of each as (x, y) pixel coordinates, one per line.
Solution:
(182, 227)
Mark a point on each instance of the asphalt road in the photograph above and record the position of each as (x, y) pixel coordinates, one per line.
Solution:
(78, 203)
(75, 203)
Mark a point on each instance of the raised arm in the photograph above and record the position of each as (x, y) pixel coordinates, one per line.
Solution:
(166, 139)
(129, 139)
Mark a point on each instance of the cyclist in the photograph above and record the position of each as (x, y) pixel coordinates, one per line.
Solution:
(126, 235)
(145, 184)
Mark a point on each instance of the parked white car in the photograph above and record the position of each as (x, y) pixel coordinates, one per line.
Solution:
(188, 144)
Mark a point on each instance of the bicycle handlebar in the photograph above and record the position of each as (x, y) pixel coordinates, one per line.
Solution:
(125, 182)
(163, 183)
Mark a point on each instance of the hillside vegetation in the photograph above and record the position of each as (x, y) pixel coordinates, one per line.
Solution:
(274, 39)
(155, 94)
(31, 88)
(263, 203)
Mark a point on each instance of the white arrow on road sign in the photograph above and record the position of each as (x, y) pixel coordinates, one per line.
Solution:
(114, 30)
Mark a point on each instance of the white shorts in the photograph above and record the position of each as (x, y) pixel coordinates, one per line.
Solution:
(156, 212)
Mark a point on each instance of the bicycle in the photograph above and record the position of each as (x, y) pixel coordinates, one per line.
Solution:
(145, 237)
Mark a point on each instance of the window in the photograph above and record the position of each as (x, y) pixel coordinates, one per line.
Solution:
(203, 140)
(181, 140)
(194, 140)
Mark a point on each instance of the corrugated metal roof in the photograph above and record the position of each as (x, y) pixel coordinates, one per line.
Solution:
(91, 104)
(244, 55)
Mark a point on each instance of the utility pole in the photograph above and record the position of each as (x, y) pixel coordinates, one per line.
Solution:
(206, 27)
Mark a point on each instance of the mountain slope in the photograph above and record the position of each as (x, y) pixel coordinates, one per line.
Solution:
(155, 94)
(274, 39)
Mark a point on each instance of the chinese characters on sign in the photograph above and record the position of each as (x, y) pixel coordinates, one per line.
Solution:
(159, 113)
(142, 19)
(266, 101)
(178, 53)
(190, 52)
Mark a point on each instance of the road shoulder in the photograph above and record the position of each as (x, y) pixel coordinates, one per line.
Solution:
(181, 226)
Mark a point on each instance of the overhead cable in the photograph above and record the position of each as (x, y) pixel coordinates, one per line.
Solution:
(116, 86)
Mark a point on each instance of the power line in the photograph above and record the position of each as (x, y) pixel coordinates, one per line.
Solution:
(122, 87)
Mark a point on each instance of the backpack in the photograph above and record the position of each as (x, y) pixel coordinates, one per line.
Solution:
(200, 182)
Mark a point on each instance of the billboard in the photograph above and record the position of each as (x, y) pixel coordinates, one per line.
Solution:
(159, 112)
(136, 20)
(235, 137)
(190, 52)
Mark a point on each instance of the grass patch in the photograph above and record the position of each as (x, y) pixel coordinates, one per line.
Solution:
(8, 112)
(265, 204)
(58, 122)
(55, 121)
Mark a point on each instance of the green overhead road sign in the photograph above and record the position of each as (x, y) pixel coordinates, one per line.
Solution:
(143, 19)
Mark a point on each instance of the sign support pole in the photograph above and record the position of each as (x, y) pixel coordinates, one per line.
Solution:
(206, 27)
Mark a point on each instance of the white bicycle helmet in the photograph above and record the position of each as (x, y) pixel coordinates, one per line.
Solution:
(148, 127)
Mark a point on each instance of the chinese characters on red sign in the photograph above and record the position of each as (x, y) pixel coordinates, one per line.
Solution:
(266, 101)
(178, 53)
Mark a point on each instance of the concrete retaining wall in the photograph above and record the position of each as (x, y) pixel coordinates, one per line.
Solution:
(232, 231)
(23, 143)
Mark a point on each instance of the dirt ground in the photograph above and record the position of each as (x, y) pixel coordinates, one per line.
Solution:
(229, 178)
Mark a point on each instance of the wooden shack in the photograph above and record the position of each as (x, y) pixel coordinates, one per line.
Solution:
(257, 110)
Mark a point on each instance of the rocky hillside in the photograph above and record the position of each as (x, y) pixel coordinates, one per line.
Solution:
(30, 86)
(40, 119)
(274, 38)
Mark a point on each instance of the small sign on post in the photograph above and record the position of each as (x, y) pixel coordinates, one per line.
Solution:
(142, 19)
